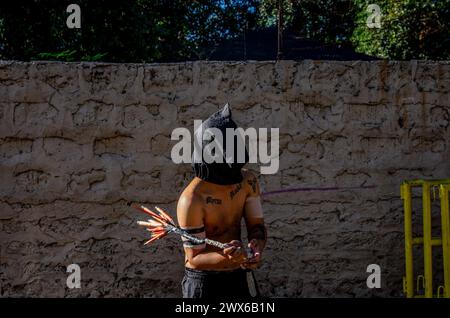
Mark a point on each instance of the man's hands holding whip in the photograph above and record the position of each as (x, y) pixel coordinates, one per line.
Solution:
(248, 258)
(162, 224)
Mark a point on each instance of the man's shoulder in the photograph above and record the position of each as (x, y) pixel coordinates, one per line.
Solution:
(190, 196)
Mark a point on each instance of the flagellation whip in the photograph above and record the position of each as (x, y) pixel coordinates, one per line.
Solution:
(162, 224)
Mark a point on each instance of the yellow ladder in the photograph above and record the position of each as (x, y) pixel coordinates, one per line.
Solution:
(428, 241)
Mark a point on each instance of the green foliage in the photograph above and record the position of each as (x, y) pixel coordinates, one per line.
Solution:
(67, 55)
(410, 29)
(329, 21)
(177, 30)
(118, 31)
(70, 56)
(268, 10)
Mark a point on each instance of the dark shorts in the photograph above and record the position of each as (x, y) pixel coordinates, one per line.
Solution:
(212, 284)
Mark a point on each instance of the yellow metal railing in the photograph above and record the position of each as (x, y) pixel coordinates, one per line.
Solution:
(427, 241)
(443, 193)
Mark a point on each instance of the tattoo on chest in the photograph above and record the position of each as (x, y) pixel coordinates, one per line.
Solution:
(235, 190)
(252, 183)
(211, 200)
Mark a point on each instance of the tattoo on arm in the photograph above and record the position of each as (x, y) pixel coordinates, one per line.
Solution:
(211, 200)
(252, 183)
(235, 190)
(258, 232)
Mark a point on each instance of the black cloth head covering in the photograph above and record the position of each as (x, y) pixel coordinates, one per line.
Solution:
(222, 173)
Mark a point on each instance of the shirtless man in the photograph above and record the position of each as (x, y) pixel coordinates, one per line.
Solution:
(213, 205)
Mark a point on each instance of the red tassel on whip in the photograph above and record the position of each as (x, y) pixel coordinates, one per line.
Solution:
(162, 224)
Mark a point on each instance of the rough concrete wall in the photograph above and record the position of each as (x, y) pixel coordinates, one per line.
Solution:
(80, 140)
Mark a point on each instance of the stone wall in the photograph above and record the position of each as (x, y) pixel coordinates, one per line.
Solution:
(80, 140)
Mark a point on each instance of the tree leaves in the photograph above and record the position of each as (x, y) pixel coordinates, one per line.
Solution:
(119, 31)
(418, 29)
(180, 30)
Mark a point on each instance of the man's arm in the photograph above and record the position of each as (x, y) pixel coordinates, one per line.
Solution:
(254, 220)
(190, 217)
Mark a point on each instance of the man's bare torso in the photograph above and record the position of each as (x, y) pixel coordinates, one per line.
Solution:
(223, 208)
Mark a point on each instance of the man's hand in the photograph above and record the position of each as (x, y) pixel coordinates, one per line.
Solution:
(235, 252)
(254, 261)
